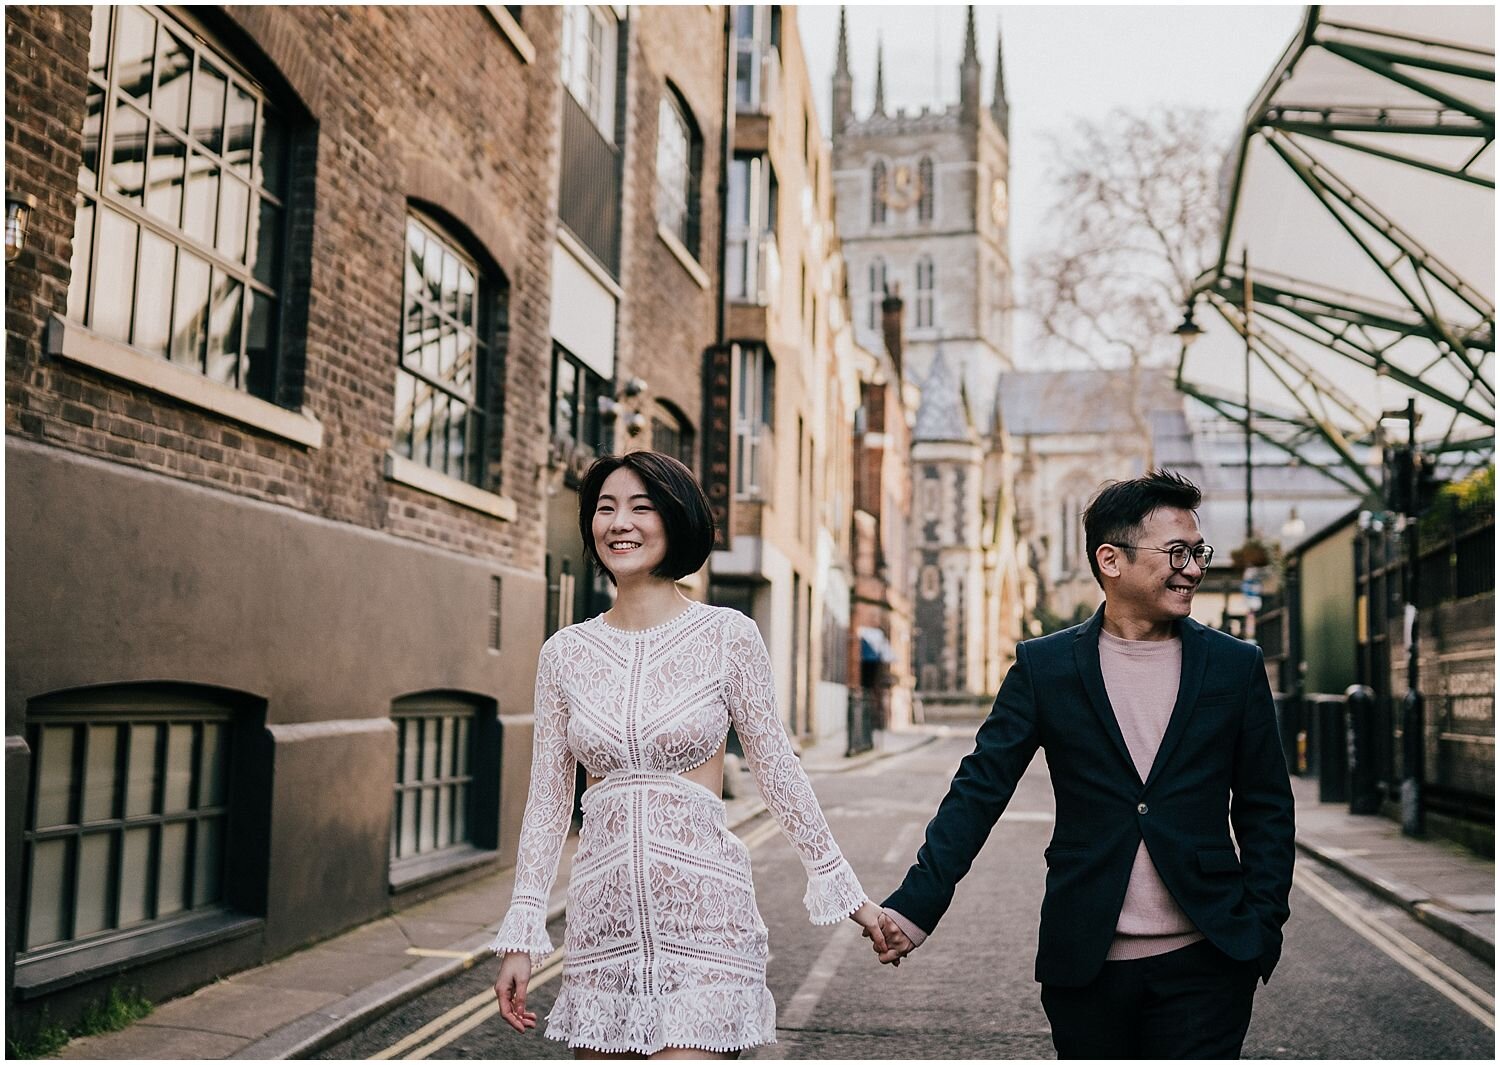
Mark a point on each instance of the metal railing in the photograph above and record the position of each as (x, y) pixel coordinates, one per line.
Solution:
(589, 199)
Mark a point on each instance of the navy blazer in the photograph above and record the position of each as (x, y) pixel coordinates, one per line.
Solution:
(1219, 765)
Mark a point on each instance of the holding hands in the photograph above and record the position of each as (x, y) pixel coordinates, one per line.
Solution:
(888, 941)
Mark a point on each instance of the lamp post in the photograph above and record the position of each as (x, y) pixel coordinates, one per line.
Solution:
(1247, 292)
(1413, 716)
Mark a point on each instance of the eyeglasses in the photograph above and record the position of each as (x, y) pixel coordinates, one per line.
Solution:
(1177, 554)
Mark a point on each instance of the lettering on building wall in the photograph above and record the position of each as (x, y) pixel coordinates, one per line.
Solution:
(718, 438)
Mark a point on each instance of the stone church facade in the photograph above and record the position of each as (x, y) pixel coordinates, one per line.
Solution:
(923, 211)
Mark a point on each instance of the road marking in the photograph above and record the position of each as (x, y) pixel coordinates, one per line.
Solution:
(468, 1014)
(800, 1010)
(756, 836)
(429, 952)
(901, 846)
(1446, 981)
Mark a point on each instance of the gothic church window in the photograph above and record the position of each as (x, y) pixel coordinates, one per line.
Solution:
(925, 189)
(926, 293)
(878, 192)
(877, 290)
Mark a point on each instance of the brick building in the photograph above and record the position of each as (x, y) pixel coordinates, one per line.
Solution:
(313, 319)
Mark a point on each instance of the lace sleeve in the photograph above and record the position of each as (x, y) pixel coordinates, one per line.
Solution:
(544, 826)
(833, 891)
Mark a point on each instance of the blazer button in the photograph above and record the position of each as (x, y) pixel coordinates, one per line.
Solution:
(1142, 808)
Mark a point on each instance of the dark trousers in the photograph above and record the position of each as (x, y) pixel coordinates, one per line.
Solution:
(1193, 1002)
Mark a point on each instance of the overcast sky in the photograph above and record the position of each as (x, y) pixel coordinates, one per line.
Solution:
(1061, 63)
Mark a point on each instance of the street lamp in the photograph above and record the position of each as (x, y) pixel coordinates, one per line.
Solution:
(1189, 330)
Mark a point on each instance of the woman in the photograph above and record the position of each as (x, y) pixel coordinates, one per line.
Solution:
(666, 952)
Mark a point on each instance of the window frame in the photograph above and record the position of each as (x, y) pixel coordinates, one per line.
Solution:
(927, 198)
(593, 88)
(261, 377)
(879, 278)
(878, 206)
(682, 191)
(925, 306)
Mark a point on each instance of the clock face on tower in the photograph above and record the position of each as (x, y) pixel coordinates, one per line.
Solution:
(903, 189)
(999, 202)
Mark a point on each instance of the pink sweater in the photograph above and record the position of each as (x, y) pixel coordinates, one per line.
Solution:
(1141, 679)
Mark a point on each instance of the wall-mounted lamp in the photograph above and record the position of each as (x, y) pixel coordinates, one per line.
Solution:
(635, 424)
(19, 207)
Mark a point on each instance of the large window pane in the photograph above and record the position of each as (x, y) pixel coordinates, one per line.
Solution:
(153, 305)
(101, 775)
(208, 861)
(179, 783)
(115, 290)
(96, 876)
(260, 344)
(271, 154)
(174, 66)
(93, 128)
(168, 164)
(201, 207)
(173, 866)
(239, 128)
(265, 242)
(140, 788)
(134, 47)
(208, 107)
(135, 876)
(127, 166)
(56, 779)
(214, 765)
(224, 329)
(234, 211)
(78, 269)
(405, 391)
(99, 41)
(49, 893)
(190, 318)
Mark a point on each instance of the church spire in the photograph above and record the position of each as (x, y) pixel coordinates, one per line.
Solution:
(968, 73)
(999, 104)
(879, 76)
(843, 80)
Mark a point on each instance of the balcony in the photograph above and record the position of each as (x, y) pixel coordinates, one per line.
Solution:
(753, 268)
(757, 77)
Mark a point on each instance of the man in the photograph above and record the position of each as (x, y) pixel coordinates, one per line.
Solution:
(1160, 735)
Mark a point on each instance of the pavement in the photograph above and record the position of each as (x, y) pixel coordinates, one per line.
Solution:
(295, 1006)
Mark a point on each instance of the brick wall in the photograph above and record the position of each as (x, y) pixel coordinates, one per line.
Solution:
(388, 104)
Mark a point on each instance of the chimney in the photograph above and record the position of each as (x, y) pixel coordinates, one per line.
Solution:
(890, 326)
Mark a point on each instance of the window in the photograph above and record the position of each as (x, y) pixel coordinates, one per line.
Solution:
(877, 290)
(757, 58)
(444, 372)
(128, 816)
(576, 391)
(672, 435)
(926, 289)
(925, 191)
(679, 171)
(753, 267)
(434, 802)
(877, 193)
(177, 247)
(754, 421)
(589, 41)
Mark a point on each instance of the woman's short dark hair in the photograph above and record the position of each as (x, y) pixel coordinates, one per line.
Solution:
(678, 498)
(1115, 514)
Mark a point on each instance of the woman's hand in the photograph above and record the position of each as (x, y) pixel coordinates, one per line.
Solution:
(510, 991)
(868, 918)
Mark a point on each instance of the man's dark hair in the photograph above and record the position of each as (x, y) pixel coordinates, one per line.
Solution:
(1115, 514)
(678, 498)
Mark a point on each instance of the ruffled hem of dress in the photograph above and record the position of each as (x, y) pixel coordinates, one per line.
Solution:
(833, 896)
(524, 931)
(624, 1021)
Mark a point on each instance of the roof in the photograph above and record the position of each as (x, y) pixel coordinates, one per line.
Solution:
(944, 413)
(1082, 401)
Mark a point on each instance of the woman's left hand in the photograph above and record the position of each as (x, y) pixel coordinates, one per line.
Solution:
(868, 918)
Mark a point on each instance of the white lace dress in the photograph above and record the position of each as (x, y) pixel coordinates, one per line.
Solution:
(664, 945)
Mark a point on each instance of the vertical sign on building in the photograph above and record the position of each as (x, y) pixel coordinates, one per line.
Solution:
(718, 437)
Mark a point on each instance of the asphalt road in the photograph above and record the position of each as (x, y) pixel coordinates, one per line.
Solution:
(1340, 991)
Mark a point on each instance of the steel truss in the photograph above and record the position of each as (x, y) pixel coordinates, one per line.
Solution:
(1431, 330)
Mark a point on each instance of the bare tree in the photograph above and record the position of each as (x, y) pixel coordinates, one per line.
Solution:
(1136, 219)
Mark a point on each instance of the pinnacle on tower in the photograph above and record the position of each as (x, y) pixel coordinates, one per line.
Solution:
(843, 81)
(971, 41)
(999, 105)
(879, 77)
(968, 74)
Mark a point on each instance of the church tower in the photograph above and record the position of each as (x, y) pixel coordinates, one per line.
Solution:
(923, 209)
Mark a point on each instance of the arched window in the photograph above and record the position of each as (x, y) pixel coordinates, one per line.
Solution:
(182, 202)
(448, 358)
(877, 193)
(679, 170)
(672, 434)
(925, 293)
(877, 290)
(925, 189)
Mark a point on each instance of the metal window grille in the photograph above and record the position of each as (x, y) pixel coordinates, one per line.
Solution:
(126, 823)
(180, 231)
(434, 777)
(444, 362)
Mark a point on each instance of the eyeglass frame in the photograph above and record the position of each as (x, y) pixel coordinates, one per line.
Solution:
(1192, 554)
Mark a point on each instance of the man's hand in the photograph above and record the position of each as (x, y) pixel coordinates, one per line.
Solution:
(896, 945)
(868, 917)
(510, 991)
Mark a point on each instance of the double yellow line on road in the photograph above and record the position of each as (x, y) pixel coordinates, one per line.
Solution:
(1442, 978)
(462, 1019)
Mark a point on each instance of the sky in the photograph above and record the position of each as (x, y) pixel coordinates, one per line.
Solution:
(1062, 63)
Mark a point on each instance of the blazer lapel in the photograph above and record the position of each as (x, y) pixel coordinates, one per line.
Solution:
(1194, 662)
(1086, 654)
